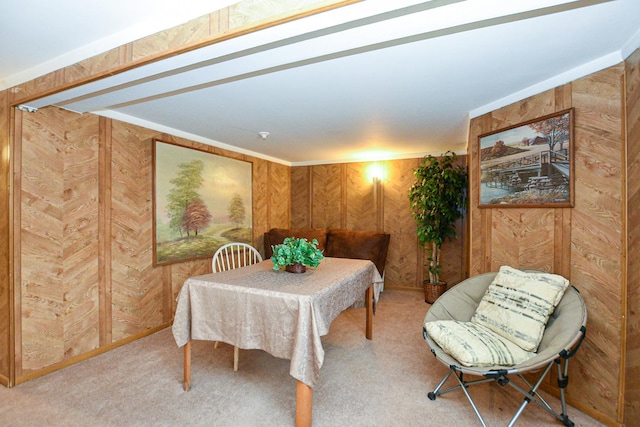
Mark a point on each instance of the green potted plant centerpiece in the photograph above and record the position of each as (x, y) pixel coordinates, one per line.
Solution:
(438, 198)
(295, 254)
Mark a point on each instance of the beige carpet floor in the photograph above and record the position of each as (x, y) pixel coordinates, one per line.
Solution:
(383, 382)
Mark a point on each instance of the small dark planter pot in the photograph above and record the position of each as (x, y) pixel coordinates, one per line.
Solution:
(433, 291)
(296, 268)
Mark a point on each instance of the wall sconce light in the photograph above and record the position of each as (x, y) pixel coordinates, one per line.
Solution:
(375, 172)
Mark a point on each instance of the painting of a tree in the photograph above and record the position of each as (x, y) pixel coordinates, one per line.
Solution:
(201, 201)
(237, 213)
(183, 193)
(555, 130)
(196, 216)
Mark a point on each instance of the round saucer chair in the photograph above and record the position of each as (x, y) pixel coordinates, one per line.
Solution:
(561, 338)
(231, 256)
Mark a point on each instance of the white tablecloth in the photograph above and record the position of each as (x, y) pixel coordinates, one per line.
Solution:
(282, 313)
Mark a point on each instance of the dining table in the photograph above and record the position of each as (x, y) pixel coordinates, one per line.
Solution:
(282, 313)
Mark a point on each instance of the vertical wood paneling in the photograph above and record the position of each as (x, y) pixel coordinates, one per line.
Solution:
(42, 235)
(279, 197)
(477, 226)
(81, 177)
(261, 193)
(632, 372)
(16, 234)
(454, 259)
(180, 272)
(583, 243)
(136, 291)
(562, 243)
(596, 231)
(345, 191)
(301, 197)
(528, 109)
(404, 263)
(326, 199)
(80, 238)
(59, 228)
(5, 297)
(361, 204)
(104, 231)
(533, 229)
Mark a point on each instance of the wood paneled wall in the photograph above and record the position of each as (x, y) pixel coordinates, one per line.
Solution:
(56, 224)
(632, 371)
(344, 196)
(584, 243)
(6, 346)
(102, 294)
(84, 235)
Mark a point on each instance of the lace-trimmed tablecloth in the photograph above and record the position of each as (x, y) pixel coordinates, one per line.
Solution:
(282, 313)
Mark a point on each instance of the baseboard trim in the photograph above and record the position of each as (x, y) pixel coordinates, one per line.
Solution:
(402, 288)
(85, 356)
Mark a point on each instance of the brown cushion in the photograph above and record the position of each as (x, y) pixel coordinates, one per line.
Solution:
(276, 236)
(371, 245)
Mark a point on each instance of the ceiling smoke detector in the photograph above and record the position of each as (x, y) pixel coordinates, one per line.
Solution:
(263, 135)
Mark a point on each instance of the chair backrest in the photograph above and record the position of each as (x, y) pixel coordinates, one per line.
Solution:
(234, 255)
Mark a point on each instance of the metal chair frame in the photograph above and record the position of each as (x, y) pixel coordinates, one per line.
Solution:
(501, 374)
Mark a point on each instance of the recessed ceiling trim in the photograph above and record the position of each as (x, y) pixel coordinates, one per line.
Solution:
(186, 135)
(235, 46)
(332, 95)
(103, 99)
(361, 49)
(555, 81)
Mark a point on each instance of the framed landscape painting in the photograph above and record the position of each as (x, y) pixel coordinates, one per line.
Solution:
(528, 165)
(200, 202)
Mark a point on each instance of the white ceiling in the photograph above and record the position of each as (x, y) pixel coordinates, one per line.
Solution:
(374, 80)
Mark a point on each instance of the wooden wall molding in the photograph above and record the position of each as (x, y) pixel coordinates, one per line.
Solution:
(6, 248)
(16, 243)
(632, 185)
(104, 231)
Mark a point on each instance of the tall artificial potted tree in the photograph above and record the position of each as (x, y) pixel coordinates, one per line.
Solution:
(438, 198)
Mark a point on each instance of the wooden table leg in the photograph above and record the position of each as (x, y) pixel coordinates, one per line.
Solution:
(187, 366)
(369, 305)
(304, 404)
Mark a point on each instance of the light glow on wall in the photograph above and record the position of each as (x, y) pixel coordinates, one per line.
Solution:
(375, 172)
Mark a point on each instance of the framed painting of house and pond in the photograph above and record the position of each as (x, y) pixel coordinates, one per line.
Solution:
(200, 202)
(529, 164)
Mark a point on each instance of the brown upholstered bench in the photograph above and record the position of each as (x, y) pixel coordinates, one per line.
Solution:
(337, 242)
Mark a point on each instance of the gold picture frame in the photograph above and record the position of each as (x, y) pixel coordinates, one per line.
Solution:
(200, 202)
(529, 164)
